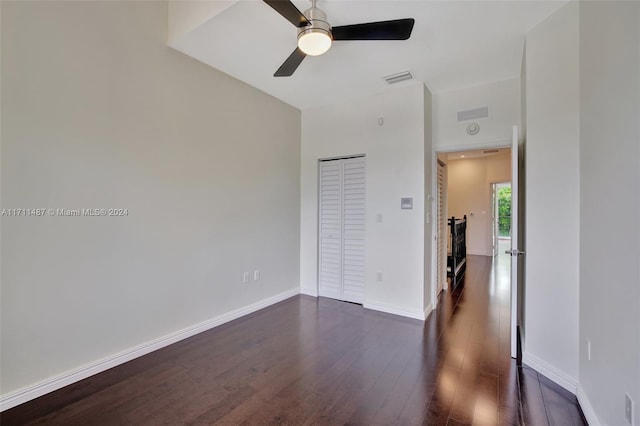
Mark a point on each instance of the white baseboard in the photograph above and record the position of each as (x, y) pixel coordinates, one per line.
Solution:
(65, 379)
(587, 408)
(552, 373)
(395, 310)
(383, 307)
(428, 310)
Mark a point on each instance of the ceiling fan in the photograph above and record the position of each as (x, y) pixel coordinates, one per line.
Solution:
(315, 34)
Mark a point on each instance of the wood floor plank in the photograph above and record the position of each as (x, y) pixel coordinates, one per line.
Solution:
(562, 407)
(396, 401)
(533, 407)
(463, 404)
(509, 407)
(372, 401)
(359, 381)
(416, 407)
(440, 404)
(485, 412)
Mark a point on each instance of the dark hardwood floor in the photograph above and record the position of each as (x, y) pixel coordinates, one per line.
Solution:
(309, 361)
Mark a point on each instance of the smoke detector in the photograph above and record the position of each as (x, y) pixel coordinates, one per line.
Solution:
(473, 129)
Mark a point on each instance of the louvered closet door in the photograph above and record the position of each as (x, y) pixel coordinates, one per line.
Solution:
(330, 250)
(353, 230)
(342, 243)
(442, 229)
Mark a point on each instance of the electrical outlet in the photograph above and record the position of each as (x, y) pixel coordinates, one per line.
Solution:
(245, 277)
(380, 276)
(588, 350)
(256, 274)
(628, 409)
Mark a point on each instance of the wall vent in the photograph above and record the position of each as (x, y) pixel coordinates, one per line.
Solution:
(472, 114)
(396, 78)
(490, 151)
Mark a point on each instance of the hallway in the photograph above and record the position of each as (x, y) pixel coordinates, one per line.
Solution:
(320, 361)
(476, 317)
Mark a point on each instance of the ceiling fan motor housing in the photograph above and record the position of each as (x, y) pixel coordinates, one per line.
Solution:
(319, 24)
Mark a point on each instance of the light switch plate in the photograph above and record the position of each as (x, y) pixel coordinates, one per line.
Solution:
(406, 203)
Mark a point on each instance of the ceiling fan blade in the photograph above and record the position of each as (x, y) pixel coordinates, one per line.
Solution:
(398, 29)
(291, 64)
(289, 11)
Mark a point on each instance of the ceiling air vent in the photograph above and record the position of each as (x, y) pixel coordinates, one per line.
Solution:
(396, 78)
(473, 114)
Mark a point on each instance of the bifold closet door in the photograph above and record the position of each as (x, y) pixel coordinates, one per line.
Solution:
(342, 229)
(441, 238)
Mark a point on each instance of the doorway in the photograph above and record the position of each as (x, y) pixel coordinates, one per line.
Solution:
(479, 186)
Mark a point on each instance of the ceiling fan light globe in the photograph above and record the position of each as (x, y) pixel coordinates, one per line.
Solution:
(314, 41)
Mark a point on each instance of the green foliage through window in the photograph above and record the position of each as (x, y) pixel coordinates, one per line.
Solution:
(504, 211)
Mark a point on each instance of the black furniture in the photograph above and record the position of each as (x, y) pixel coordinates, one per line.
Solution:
(457, 255)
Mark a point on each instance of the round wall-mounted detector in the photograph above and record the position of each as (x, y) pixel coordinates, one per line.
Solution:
(473, 128)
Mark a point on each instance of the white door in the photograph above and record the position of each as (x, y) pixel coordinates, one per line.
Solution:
(341, 231)
(515, 252)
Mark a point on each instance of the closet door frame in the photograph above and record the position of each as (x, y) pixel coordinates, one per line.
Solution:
(324, 236)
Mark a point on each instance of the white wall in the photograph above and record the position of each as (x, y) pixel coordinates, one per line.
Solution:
(469, 190)
(98, 112)
(610, 208)
(503, 100)
(552, 198)
(395, 168)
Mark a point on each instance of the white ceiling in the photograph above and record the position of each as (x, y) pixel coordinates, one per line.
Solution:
(454, 44)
